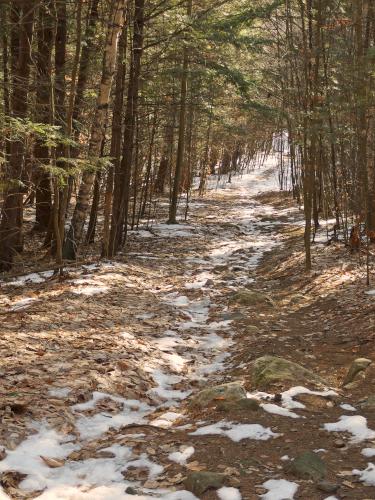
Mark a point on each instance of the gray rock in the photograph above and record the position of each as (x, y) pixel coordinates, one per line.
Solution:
(224, 392)
(308, 465)
(251, 329)
(131, 491)
(269, 370)
(199, 482)
(241, 405)
(358, 365)
(233, 316)
(247, 297)
(328, 487)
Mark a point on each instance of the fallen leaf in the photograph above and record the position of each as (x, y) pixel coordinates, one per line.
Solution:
(54, 463)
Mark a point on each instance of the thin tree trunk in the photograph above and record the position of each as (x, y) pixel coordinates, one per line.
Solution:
(43, 195)
(115, 24)
(181, 131)
(121, 196)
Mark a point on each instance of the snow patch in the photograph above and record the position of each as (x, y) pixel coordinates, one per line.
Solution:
(181, 457)
(236, 432)
(368, 452)
(279, 489)
(227, 493)
(278, 410)
(355, 425)
(367, 476)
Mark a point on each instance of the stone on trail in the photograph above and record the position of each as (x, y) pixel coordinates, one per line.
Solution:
(233, 391)
(199, 482)
(241, 405)
(251, 329)
(358, 365)
(369, 403)
(308, 465)
(270, 370)
(328, 487)
(250, 298)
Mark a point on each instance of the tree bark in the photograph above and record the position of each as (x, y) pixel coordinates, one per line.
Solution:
(121, 197)
(43, 103)
(115, 24)
(12, 211)
(181, 131)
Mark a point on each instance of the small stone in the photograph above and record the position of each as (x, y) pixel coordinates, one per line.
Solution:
(369, 403)
(199, 482)
(251, 329)
(328, 487)
(131, 491)
(339, 443)
(247, 297)
(358, 365)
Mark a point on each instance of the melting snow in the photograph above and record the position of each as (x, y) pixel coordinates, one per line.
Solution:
(347, 407)
(22, 303)
(90, 427)
(90, 290)
(368, 452)
(287, 400)
(356, 425)
(226, 493)
(367, 475)
(166, 420)
(279, 489)
(181, 457)
(59, 392)
(277, 410)
(236, 432)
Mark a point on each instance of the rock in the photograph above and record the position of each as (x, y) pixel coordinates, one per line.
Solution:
(131, 491)
(308, 465)
(243, 404)
(369, 403)
(233, 316)
(199, 482)
(251, 329)
(229, 277)
(339, 443)
(358, 365)
(225, 392)
(269, 370)
(297, 299)
(250, 297)
(328, 487)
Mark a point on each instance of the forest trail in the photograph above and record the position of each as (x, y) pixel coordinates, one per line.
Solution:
(99, 400)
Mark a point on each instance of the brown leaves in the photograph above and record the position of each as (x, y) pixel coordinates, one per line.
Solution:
(53, 463)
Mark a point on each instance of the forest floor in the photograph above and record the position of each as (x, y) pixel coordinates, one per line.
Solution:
(100, 371)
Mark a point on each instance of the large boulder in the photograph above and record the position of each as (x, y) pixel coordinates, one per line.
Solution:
(247, 297)
(308, 465)
(199, 482)
(358, 365)
(231, 392)
(271, 370)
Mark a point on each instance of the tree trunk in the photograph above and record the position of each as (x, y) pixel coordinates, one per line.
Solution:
(43, 113)
(115, 153)
(121, 196)
(181, 131)
(115, 24)
(12, 211)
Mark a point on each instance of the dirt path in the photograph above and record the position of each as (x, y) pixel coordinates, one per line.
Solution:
(99, 370)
